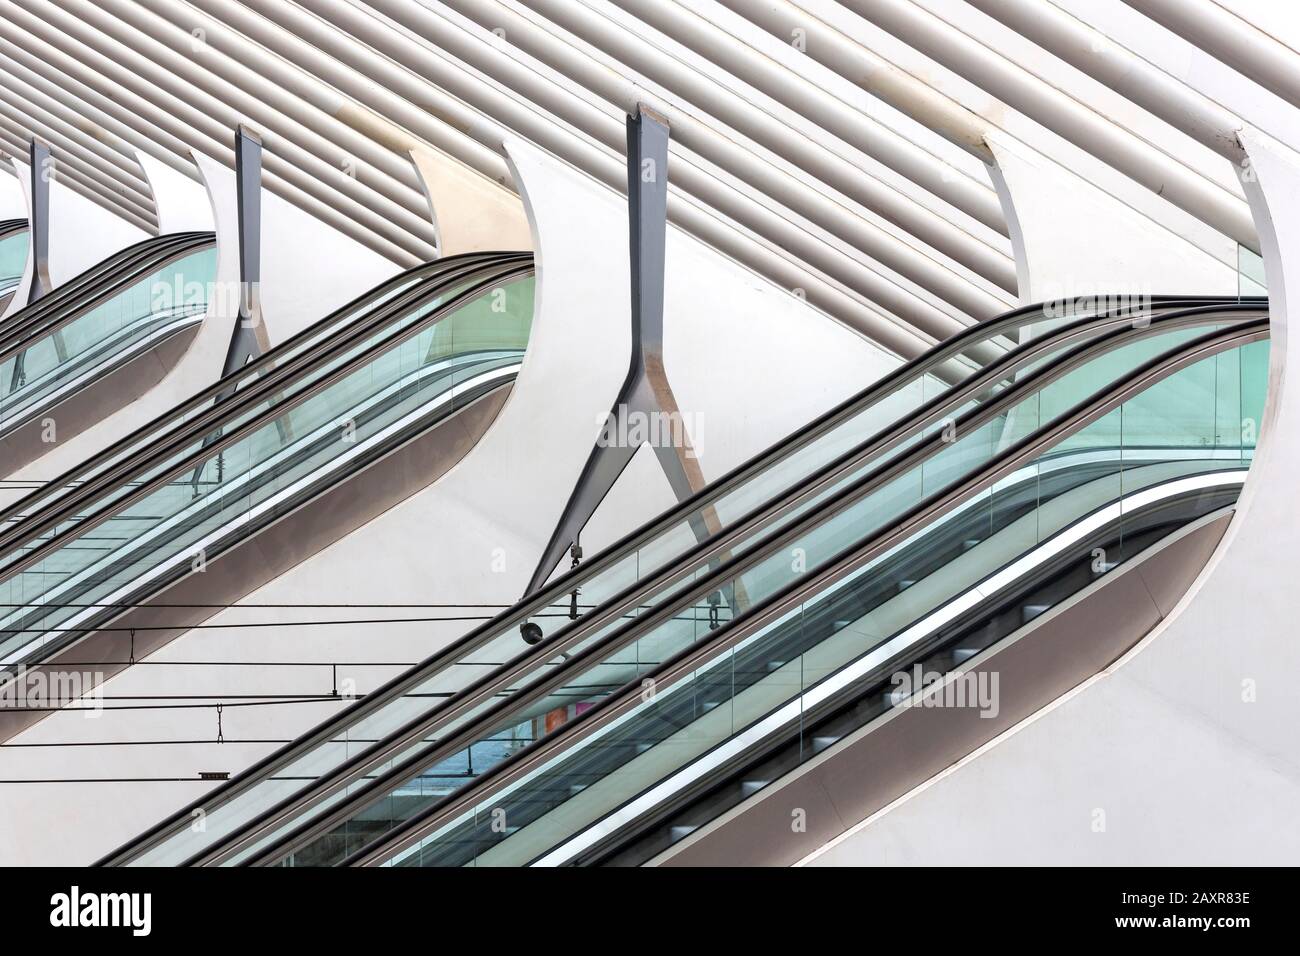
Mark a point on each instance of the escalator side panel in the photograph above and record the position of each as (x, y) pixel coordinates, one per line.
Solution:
(112, 389)
(884, 760)
(259, 558)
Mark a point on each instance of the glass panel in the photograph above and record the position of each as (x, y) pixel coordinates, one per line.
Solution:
(669, 540)
(1120, 478)
(13, 259)
(151, 308)
(184, 515)
(997, 513)
(175, 421)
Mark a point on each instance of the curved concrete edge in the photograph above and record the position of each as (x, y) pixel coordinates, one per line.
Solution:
(1183, 752)
(18, 298)
(218, 187)
(12, 203)
(182, 204)
(1014, 232)
(1072, 239)
(470, 212)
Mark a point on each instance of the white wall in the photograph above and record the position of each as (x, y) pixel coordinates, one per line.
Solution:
(13, 202)
(1071, 238)
(750, 361)
(82, 233)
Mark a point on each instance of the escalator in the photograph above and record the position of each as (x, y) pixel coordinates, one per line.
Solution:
(947, 505)
(171, 513)
(100, 341)
(13, 258)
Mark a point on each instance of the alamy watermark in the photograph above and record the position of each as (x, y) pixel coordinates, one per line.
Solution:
(1136, 300)
(48, 688)
(628, 428)
(975, 689)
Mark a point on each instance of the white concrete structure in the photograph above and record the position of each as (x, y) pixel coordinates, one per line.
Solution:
(850, 183)
(472, 537)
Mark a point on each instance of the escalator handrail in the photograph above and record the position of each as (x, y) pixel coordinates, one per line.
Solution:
(827, 421)
(617, 606)
(993, 592)
(219, 537)
(36, 525)
(397, 687)
(849, 560)
(99, 272)
(268, 374)
(91, 275)
(51, 313)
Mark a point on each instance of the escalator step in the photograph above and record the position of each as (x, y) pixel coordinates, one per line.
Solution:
(750, 787)
(1031, 611)
(962, 654)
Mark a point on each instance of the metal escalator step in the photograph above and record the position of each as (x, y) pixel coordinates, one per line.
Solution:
(1031, 611)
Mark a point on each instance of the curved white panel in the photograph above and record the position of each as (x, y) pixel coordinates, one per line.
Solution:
(13, 204)
(22, 172)
(1073, 239)
(1185, 751)
(470, 211)
(181, 203)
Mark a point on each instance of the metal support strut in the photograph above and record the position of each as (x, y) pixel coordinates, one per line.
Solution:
(646, 395)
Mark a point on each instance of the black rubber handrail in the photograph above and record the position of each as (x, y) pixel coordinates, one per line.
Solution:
(850, 559)
(634, 596)
(562, 586)
(30, 530)
(268, 375)
(68, 302)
